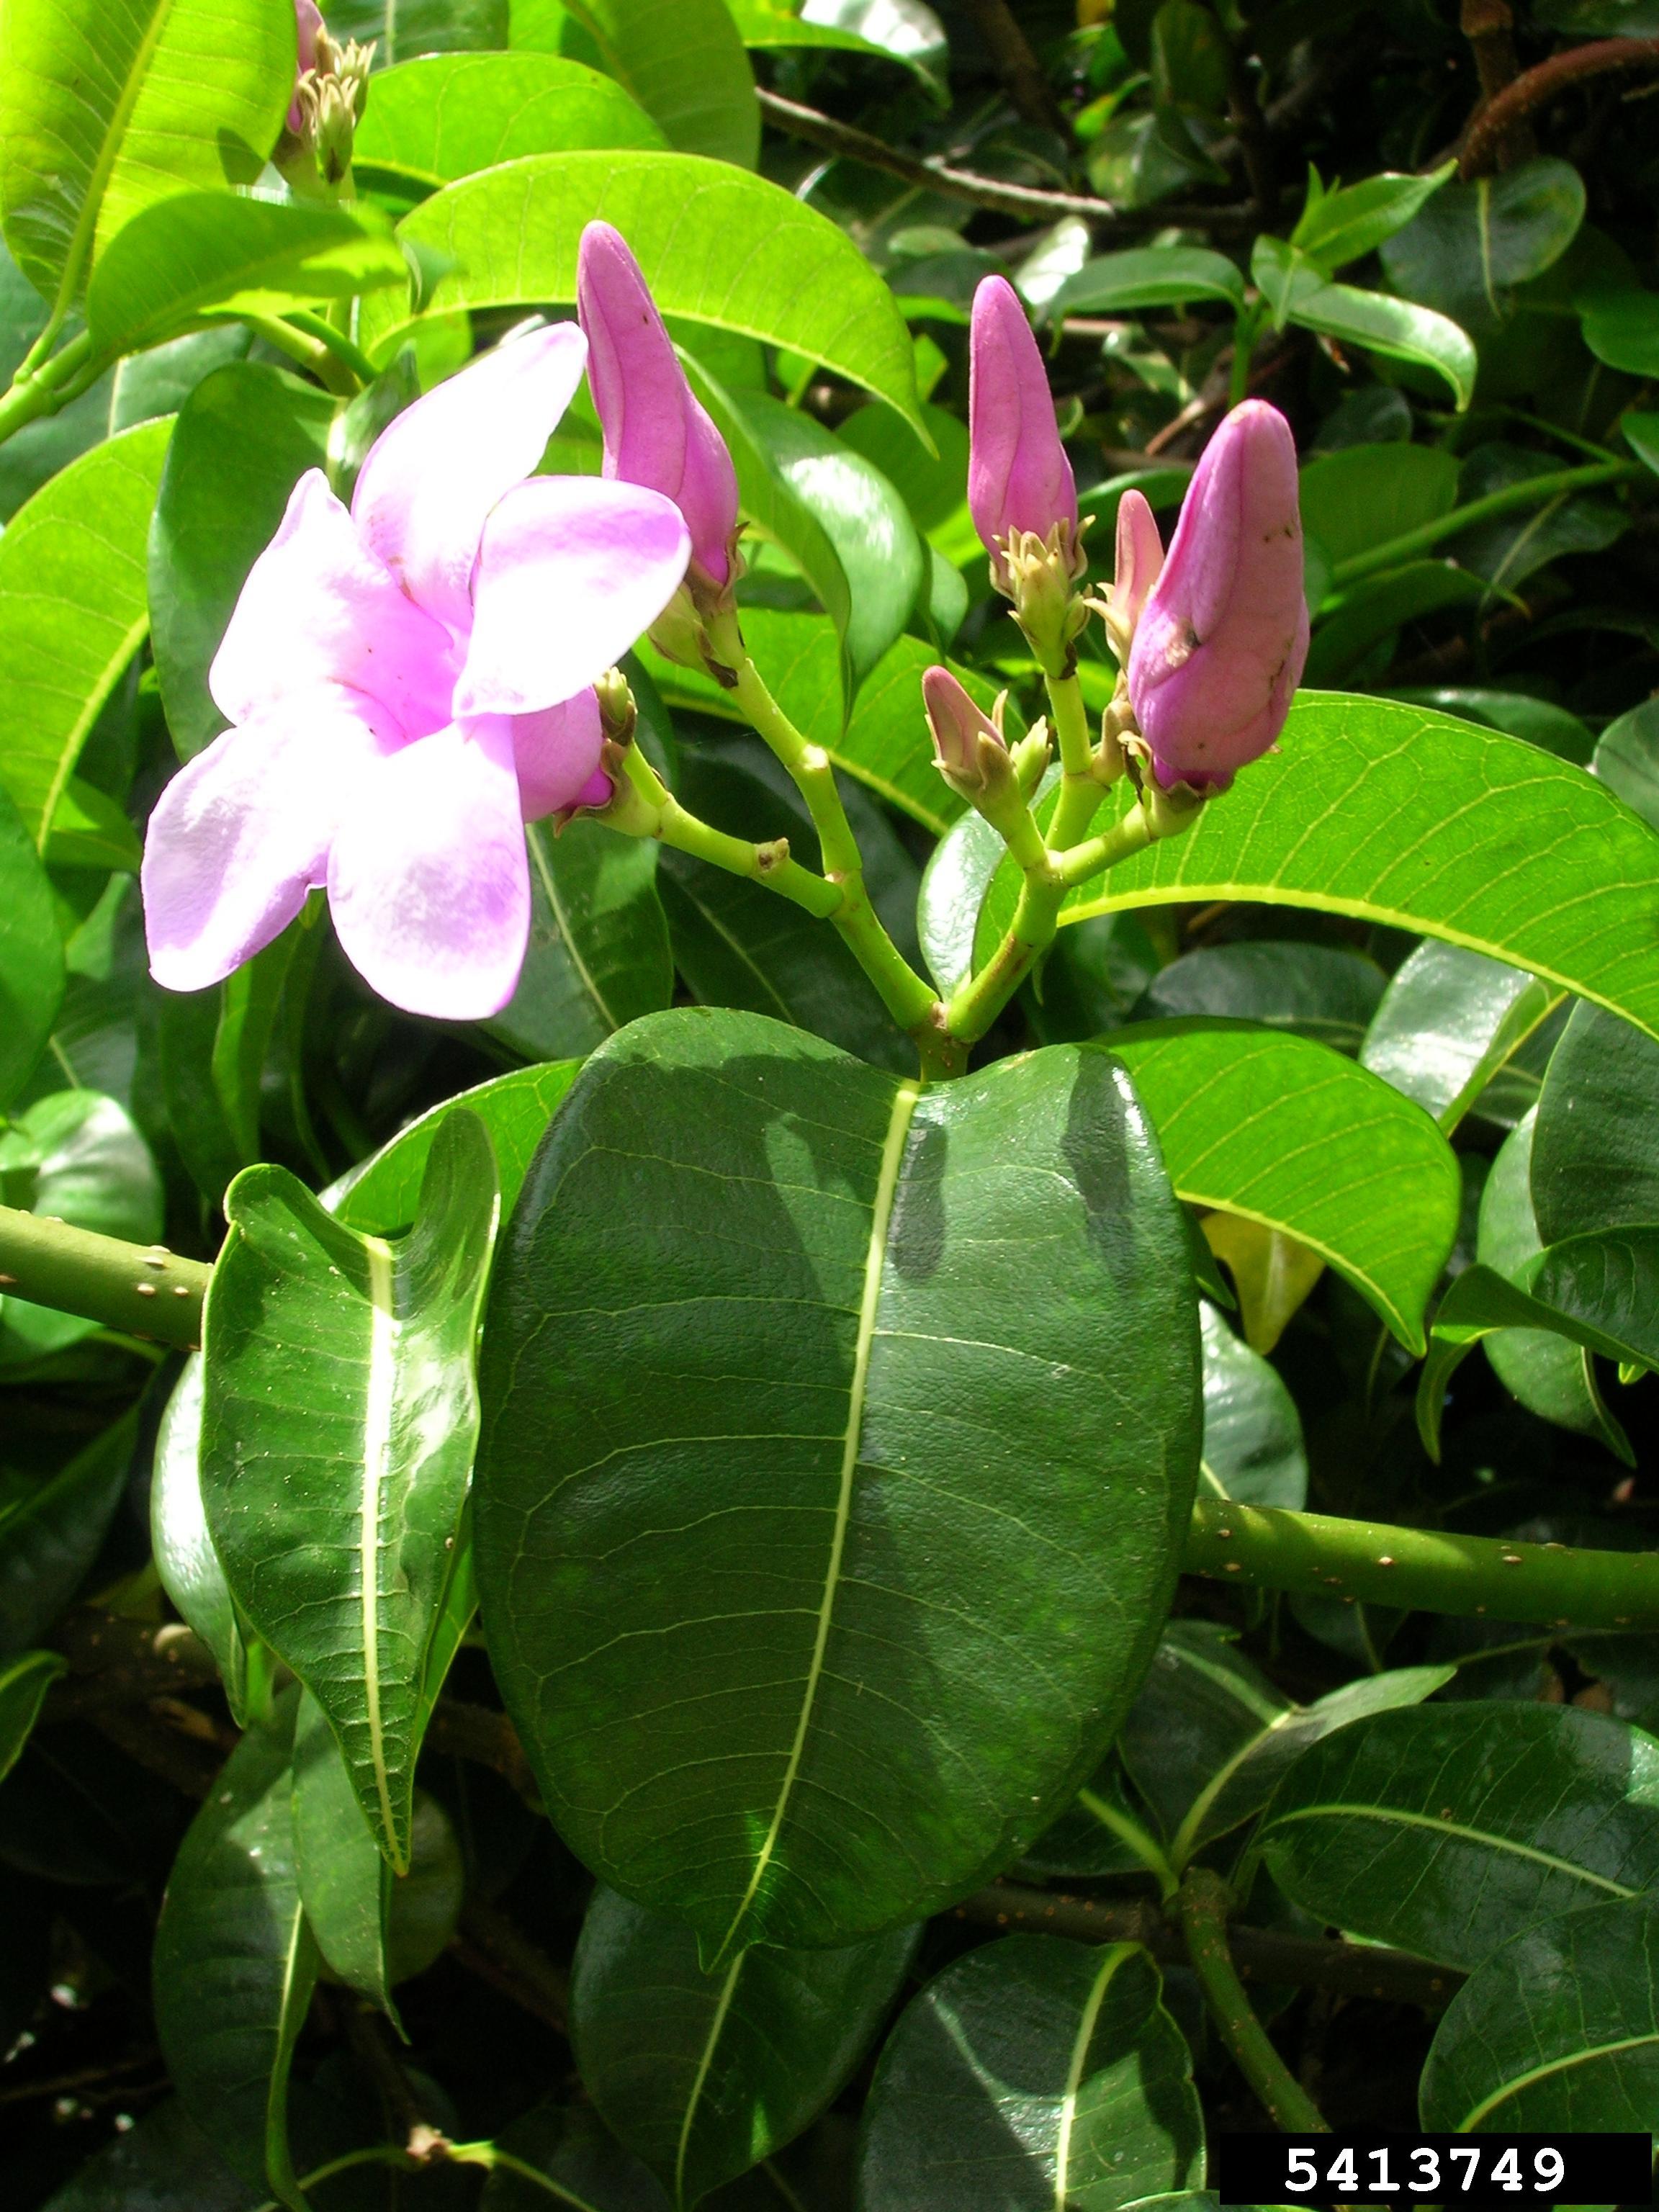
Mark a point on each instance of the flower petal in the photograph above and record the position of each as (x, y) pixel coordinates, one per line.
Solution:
(242, 833)
(319, 608)
(432, 476)
(428, 881)
(571, 571)
(556, 752)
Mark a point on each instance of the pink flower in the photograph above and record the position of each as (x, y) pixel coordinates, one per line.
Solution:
(655, 431)
(409, 683)
(959, 730)
(1018, 477)
(309, 22)
(1223, 634)
(1140, 564)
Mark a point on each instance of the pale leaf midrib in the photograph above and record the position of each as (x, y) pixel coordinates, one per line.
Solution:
(705, 2061)
(1388, 1815)
(379, 1402)
(1085, 2030)
(1562, 2065)
(103, 167)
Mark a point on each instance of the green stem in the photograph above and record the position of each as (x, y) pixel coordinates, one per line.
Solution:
(1079, 792)
(1531, 493)
(310, 353)
(974, 1007)
(350, 356)
(44, 390)
(1203, 1903)
(1423, 1570)
(768, 864)
(142, 1290)
(1131, 835)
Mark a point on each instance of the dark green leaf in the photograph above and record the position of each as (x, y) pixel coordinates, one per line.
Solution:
(74, 1155)
(245, 437)
(1537, 720)
(1149, 277)
(1473, 242)
(1365, 495)
(1627, 759)
(590, 2170)
(1253, 1447)
(1449, 1022)
(705, 2074)
(1595, 1148)
(185, 1557)
(1513, 547)
(1558, 2030)
(380, 1197)
(337, 1442)
(72, 611)
(1445, 1828)
(1620, 324)
(24, 1682)
(1033, 2073)
(235, 1964)
(51, 1531)
(164, 2163)
(1355, 622)
(876, 1240)
(1316, 990)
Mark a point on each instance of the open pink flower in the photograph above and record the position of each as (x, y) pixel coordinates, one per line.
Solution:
(409, 683)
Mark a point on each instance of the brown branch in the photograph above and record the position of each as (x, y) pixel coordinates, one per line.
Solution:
(1025, 203)
(116, 1661)
(492, 1946)
(1489, 27)
(1262, 1955)
(1535, 87)
(1017, 65)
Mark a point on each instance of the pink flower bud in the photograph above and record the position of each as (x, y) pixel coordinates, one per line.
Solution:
(960, 732)
(655, 432)
(1018, 477)
(307, 22)
(1140, 564)
(1221, 638)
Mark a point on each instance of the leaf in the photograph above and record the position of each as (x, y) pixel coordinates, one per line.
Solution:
(598, 955)
(715, 245)
(32, 976)
(1295, 1137)
(1365, 495)
(1350, 817)
(202, 253)
(1298, 294)
(1538, 720)
(1473, 242)
(1102, 1832)
(75, 1154)
(1550, 1376)
(243, 438)
(404, 29)
(706, 2075)
(1596, 1147)
(448, 115)
(185, 1561)
(1448, 1021)
(380, 1196)
(1354, 625)
(1511, 547)
(1559, 2029)
(811, 1557)
(1253, 1449)
(72, 611)
(162, 2163)
(51, 1530)
(336, 1441)
(1149, 277)
(1273, 1274)
(235, 1964)
(1316, 990)
(903, 31)
(24, 1682)
(1445, 1828)
(1209, 1735)
(568, 2145)
(683, 62)
(1626, 759)
(106, 106)
(1033, 2071)
(1344, 225)
(89, 830)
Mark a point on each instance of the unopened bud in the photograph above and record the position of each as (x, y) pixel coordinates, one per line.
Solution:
(1043, 573)
(1019, 482)
(970, 751)
(330, 95)
(1140, 561)
(618, 712)
(1030, 757)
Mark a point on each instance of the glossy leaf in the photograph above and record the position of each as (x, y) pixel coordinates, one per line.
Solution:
(185, 1561)
(340, 1410)
(1104, 1832)
(1344, 225)
(1253, 1449)
(1350, 816)
(1473, 242)
(32, 976)
(1293, 1136)
(746, 1714)
(1445, 1829)
(1596, 1147)
(162, 2163)
(243, 438)
(715, 245)
(448, 115)
(1558, 2030)
(24, 1682)
(704, 2075)
(1626, 759)
(1550, 1376)
(109, 105)
(72, 612)
(235, 1964)
(1149, 277)
(1509, 549)
(1033, 2072)
(74, 1155)
(683, 62)
(1298, 293)
(1448, 1021)
(201, 254)
(1316, 990)
(903, 31)
(381, 1196)
(1354, 623)
(51, 1531)
(1538, 720)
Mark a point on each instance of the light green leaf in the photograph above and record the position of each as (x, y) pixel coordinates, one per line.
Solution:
(1444, 1828)
(1473, 242)
(1448, 1021)
(1342, 226)
(75, 1154)
(794, 1599)
(380, 1196)
(903, 31)
(1149, 277)
(715, 245)
(401, 29)
(72, 611)
(683, 62)
(235, 1964)
(338, 1440)
(1595, 1149)
(703, 2076)
(1350, 817)
(1295, 1137)
(448, 115)
(1298, 293)
(1033, 2072)
(1253, 1447)
(109, 105)
(200, 253)
(24, 1682)
(1558, 2030)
